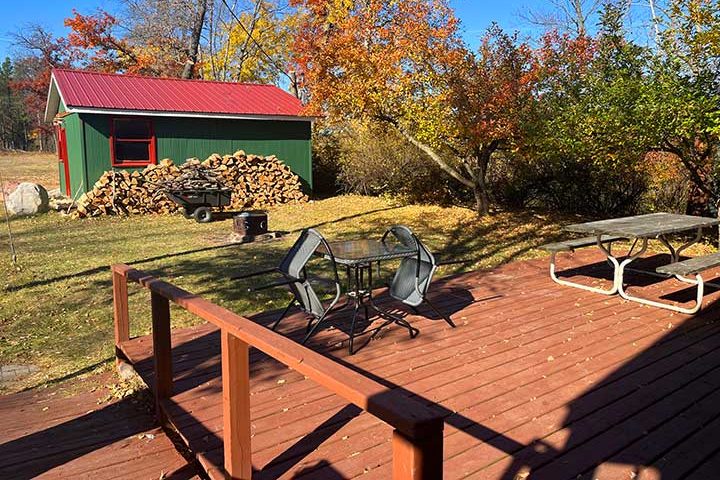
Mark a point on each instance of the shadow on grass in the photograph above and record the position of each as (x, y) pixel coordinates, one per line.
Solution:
(168, 256)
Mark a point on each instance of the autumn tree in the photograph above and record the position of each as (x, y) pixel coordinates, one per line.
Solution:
(94, 37)
(402, 63)
(684, 103)
(171, 31)
(38, 52)
(250, 42)
(491, 97)
(592, 128)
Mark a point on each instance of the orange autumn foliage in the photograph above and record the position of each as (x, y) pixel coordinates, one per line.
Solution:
(404, 63)
(93, 36)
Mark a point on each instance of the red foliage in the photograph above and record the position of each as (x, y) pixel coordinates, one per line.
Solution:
(492, 92)
(93, 36)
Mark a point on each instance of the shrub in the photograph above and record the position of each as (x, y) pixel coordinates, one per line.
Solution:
(377, 161)
(669, 188)
(571, 186)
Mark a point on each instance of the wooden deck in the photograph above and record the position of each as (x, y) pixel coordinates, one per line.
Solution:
(538, 381)
(52, 434)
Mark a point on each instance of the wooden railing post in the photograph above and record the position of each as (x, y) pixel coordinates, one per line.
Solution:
(162, 352)
(418, 459)
(236, 406)
(120, 310)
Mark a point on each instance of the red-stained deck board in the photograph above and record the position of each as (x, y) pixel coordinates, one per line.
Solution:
(48, 433)
(536, 378)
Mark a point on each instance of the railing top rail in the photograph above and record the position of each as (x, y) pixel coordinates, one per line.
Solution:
(395, 408)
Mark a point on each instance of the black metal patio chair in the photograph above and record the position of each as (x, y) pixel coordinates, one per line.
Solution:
(293, 269)
(412, 278)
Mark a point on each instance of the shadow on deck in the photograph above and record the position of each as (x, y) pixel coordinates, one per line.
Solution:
(48, 433)
(538, 381)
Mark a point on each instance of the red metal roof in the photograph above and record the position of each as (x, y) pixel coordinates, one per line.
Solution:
(84, 89)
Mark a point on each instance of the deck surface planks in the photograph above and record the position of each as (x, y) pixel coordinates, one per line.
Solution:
(52, 434)
(537, 378)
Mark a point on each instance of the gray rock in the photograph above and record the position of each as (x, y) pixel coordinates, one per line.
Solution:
(9, 373)
(125, 371)
(28, 199)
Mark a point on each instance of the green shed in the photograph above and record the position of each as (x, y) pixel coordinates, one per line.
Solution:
(111, 121)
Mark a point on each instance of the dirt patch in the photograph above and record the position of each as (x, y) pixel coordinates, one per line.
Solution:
(17, 167)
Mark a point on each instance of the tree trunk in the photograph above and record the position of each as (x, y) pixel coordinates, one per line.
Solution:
(482, 200)
(480, 189)
(194, 45)
(294, 86)
(579, 19)
(478, 173)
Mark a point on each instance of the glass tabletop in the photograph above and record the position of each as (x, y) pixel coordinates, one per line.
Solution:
(363, 251)
(644, 226)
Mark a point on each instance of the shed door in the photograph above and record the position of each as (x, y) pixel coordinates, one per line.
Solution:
(63, 156)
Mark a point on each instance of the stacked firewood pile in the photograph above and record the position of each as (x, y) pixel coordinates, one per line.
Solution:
(194, 176)
(257, 182)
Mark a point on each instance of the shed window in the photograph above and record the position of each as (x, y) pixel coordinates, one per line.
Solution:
(132, 142)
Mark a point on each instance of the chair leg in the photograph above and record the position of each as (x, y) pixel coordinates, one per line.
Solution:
(282, 315)
(412, 330)
(352, 328)
(437, 312)
(312, 327)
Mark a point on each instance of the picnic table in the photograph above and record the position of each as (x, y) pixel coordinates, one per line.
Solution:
(358, 257)
(642, 229)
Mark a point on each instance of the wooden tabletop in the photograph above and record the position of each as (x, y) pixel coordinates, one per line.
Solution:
(644, 226)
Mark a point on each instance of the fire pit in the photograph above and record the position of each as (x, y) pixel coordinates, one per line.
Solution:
(251, 223)
(252, 226)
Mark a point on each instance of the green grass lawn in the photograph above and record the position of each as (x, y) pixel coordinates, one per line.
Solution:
(56, 306)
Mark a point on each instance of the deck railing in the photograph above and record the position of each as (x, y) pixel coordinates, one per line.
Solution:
(417, 439)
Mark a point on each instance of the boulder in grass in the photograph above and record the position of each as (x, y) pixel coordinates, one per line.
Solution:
(28, 199)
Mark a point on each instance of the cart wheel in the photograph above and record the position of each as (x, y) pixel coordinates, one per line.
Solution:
(187, 213)
(203, 214)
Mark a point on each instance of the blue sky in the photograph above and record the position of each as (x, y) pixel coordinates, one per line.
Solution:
(476, 15)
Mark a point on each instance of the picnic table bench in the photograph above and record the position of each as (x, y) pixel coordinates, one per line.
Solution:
(605, 241)
(691, 266)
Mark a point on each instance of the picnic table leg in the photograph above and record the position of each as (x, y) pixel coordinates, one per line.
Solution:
(675, 253)
(611, 260)
(617, 274)
(698, 281)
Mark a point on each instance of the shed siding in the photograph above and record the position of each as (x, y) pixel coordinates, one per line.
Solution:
(180, 138)
(76, 154)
